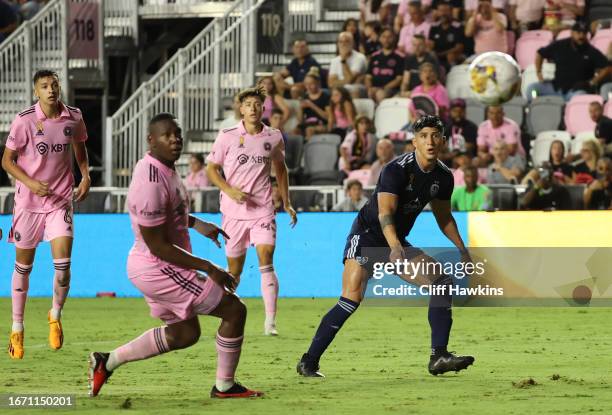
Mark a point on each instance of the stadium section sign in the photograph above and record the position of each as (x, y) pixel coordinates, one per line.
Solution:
(271, 27)
(84, 30)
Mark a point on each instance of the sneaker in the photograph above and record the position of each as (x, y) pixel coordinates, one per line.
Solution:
(98, 375)
(56, 334)
(309, 368)
(15, 346)
(447, 362)
(270, 330)
(236, 391)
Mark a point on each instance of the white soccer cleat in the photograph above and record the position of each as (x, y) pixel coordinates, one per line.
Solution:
(270, 329)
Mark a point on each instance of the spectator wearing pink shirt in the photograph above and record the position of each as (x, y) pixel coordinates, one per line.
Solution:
(402, 18)
(498, 128)
(526, 14)
(375, 10)
(488, 27)
(433, 88)
(196, 179)
(417, 25)
(471, 6)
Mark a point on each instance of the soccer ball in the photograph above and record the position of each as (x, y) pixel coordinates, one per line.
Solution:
(494, 78)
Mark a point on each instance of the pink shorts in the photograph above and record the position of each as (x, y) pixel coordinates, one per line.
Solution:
(175, 294)
(245, 233)
(30, 228)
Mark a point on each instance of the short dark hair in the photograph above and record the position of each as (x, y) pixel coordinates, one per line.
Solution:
(432, 121)
(352, 183)
(276, 111)
(199, 157)
(43, 73)
(257, 91)
(375, 25)
(162, 116)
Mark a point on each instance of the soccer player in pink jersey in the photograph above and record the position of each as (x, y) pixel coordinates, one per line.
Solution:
(161, 266)
(245, 153)
(38, 155)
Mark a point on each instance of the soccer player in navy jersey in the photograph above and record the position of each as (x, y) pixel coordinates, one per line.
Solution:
(406, 185)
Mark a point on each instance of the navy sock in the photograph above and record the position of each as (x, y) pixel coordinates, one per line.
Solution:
(330, 325)
(440, 317)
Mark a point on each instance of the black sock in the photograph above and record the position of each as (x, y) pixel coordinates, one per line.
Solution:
(440, 317)
(330, 325)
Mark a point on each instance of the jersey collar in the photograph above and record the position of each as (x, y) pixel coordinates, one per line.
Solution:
(158, 163)
(64, 113)
(242, 130)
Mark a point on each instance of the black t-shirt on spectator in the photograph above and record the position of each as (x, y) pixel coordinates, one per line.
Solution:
(445, 39)
(564, 168)
(412, 64)
(297, 71)
(453, 3)
(601, 198)
(371, 46)
(466, 128)
(556, 197)
(7, 14)
(310, 116)
(575, 65)
(603, 129)
(385, 68)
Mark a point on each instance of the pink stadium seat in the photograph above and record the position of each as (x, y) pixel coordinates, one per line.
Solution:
(528, 44)
(608, 109)
(577, 117)
(602, 40)
(362, 175)
(565, 33)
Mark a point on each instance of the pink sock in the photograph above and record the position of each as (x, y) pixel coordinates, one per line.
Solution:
(19, 290)
(61, 282)
(150, 343)
(228, 355)
(269, 289)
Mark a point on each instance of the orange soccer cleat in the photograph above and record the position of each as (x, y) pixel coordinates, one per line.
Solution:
(56, 334)
(15, 346)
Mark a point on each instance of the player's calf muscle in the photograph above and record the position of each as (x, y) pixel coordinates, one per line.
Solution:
(354, 280)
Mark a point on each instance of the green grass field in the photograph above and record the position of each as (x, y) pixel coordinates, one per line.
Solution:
(376, 365)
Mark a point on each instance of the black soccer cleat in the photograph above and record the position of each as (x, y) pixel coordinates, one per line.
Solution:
(236, 391)
(448, 362)
(98, 374)
(309, 368)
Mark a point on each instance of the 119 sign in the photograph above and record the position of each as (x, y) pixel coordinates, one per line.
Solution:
(270, 31)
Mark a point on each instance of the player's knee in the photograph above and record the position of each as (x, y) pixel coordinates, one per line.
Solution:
(237, 312)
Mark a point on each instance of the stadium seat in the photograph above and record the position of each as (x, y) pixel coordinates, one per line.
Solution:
(293, 153)
(391, 115)
(362, 175)
(458, 82)
(576, 192)
(320, 161)
(580, 138)
(529, 76)
(9, 201)
(503, 197)
(326, 138)
(540, 147)
(528, 44)
(292, 122)
(608, 108)
(475, 110)
(364, 106)
(94, 203)
(306, 200)
(602, 40)
(576, 116)
(515, 109)
(564, 34)
(544, 114)
(422, 104)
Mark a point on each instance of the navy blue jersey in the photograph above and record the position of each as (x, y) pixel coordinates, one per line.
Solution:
(415, 189)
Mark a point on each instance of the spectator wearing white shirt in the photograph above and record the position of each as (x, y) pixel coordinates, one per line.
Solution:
(349, 67)
(355, 199)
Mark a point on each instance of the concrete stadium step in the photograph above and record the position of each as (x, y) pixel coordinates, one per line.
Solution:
(341, 5)
(321, 37)
(340, 15)
(322, 48)
(325, 26)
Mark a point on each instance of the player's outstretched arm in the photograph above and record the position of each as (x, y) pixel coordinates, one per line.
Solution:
(213, 171)
(442, 211)
(208, 229)
(9, 164)
(80, 153)
(282, 177)
(387, 205)
(161, 247)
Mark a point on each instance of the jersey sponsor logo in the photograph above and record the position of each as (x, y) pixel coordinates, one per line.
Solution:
(68, 131)
(147, 213)
(59, 148)
(42, 148)
(267, 146)
(243, 158)
(435, 187)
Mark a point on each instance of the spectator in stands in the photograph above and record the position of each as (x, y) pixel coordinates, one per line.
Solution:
(603, 126)
(354, 200)
(472, 196)
(375, 10)
(461, 132)
(384, 154)
(402, 17)
(505, 169)
(273, 101)
(598, 195)
(340, 111)
(276, 121)
(8, 20)
(432, 87)
(585, 170)
(196, 179)
(488, 28)
(277, 199)
(446, 38)
(297, 69)
(233, 119)
(471, 7)
(498, 128)
(355, 148)
(562, 14)
(417, 26)
(526, 14)
(349, 67)
(371, 33)
(352, 26)
(561, 170)
(412, 64)
(385, 69)
(545, 193)
(579, 66)
(312, 115)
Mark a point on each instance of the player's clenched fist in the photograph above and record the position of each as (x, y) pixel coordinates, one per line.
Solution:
(237, 195)
(39, 188)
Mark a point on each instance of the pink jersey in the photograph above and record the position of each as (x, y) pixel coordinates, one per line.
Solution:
(156, 196)
(196, 180)
(246, 161)
(437, 93)
(44, 148)
(408, 32)
(509, 132)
